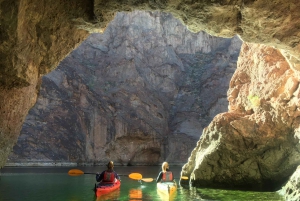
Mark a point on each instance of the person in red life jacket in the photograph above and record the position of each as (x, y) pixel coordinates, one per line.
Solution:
(165, 175)
(108, 176)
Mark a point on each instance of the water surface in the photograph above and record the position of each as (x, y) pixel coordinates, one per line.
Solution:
(54, 184)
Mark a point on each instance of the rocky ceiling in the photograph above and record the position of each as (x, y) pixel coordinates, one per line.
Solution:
(36, 35)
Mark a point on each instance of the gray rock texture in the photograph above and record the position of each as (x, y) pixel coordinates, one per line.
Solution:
(36, 36)
(139, 93)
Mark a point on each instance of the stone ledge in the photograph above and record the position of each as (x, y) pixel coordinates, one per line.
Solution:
(73, 164)
(39, 164)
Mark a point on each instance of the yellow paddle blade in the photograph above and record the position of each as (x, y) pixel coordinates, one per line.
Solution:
(75, 172)
(184, 177)
(147, 179)
(136, 176)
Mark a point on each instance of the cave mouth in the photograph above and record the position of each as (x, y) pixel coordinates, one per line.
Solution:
(243, 17)
(146, 81)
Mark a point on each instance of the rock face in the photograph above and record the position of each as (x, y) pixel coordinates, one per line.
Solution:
(290, 190)
(140, 93)
(35, 36)
(14, 104)
(258, 21)
(257, 140)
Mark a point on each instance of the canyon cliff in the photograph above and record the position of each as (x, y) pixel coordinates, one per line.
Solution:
(138, 94)
(36, 36)
(257, 139)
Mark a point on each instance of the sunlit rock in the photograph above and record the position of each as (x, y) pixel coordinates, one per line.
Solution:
(290, 190)
(254, 145)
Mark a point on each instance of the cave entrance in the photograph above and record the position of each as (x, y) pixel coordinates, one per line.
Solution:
(138, 94)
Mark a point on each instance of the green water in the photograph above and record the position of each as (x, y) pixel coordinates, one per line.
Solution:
(54, 184)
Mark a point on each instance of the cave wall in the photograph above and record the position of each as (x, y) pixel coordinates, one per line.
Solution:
(146, 80)
(37, 36)
(257, 139)
(259, 21)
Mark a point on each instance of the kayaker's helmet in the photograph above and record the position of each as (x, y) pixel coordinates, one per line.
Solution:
(165, 166)
(110, 165)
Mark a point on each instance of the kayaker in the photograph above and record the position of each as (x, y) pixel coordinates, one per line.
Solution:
(165, 175)
(108, 176)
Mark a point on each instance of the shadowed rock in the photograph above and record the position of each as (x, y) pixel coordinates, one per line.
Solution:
(138, 94)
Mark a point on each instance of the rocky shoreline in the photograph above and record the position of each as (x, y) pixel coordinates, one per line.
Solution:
(70, 164)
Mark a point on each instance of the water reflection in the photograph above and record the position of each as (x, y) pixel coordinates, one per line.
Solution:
(54, 184)
(114, 195)
(142, 193)
(135, 194)
(187, 191)
(164, 196)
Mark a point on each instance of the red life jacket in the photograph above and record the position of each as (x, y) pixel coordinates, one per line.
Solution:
(167, 176)
(109, 177)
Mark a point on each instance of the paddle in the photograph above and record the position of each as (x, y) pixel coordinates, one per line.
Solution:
(139, 177)
(135, 176)
(77, 172)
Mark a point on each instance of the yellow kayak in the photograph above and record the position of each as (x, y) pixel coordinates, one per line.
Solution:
(167, 189)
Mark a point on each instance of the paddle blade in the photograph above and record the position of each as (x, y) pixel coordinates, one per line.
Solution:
(136, 176)
(147, 179)
(75, 172)
(185, 177)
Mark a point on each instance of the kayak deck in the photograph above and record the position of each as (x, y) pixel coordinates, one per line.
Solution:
(104, 188)
(167, 188)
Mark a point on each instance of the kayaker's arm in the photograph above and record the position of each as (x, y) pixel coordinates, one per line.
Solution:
(117, 176)
(99, 177)
(159, 177)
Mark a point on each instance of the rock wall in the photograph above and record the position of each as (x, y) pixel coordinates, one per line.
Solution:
(290, 190)
(14, 105)
(35, 36)
(139, 93)
(258, 21)
(255, 145)
(47, 33)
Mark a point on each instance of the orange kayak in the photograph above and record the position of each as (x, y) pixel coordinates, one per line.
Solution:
(104, 188)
